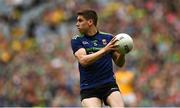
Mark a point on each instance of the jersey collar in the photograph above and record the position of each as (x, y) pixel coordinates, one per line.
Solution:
(93, 35)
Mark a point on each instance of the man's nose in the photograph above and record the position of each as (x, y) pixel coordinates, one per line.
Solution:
(77, 24)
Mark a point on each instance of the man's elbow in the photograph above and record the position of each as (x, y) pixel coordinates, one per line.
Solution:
(121, 64)
(84, 63)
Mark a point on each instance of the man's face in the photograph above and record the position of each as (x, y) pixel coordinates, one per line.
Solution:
(83, 24)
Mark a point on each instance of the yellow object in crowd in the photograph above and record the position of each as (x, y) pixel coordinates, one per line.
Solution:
(16, 45)
(28, 44)
(5, 56)
(57, 16)
(124, 80)
(17, 32)
(111, 8)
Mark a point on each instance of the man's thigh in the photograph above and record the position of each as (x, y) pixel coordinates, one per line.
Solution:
(115, 99)
(91, 102)
(91, 98)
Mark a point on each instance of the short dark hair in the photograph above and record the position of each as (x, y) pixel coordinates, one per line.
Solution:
(89, 14)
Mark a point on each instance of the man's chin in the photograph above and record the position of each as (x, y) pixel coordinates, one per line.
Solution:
(81, 32)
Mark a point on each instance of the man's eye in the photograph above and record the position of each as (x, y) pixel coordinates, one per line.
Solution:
(80, 20)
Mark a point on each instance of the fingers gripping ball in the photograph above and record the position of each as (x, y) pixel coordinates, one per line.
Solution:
(125, 43)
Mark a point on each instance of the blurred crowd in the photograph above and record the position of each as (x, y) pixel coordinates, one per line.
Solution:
(37, 67)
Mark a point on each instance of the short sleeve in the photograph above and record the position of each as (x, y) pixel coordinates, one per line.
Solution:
(76, 44)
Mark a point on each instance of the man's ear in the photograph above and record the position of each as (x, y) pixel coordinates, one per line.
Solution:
(90, 22)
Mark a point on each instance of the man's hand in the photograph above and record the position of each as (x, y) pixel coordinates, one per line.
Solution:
(111, 45)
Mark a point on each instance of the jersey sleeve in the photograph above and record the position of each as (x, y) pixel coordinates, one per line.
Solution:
(76, 44)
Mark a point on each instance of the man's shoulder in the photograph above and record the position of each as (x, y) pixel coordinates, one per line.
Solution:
(78, 36)
(105, 33)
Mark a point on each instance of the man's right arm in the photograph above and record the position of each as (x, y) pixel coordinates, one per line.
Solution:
(86, 60)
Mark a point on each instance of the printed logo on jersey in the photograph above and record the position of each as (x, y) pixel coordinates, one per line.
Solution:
(95, 44)
(104, 41)
(114, 88)
(92, 50)
(85, 43)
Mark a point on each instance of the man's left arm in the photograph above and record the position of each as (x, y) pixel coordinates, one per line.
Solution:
(119, 59)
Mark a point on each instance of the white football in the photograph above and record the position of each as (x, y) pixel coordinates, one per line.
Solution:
(125, 43)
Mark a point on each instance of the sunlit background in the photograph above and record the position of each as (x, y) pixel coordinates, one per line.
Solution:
(37, 67)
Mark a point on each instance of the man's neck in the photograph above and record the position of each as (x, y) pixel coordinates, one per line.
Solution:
(92, 31)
